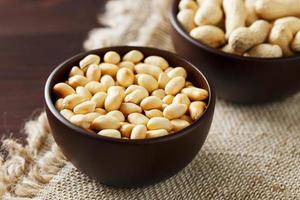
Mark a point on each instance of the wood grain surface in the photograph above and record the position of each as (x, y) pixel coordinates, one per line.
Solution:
(35, 36)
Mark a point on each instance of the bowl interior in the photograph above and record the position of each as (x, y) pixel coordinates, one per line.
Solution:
(179, 28)
(60, 74)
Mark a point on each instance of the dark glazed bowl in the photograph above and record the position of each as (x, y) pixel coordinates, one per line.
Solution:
(128, 163)
(236, 78)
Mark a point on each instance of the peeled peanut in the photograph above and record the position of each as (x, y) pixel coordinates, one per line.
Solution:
(296, 42)
(126, 129)
(127, 64)
(168, 99)
(163, 79)
(112, 57)
(138, 132)
(186, 118)
(76, 71)
(116, 89)
(94, 87)
(114, 100)
(107, 81)
(116, 114)
(88, 60)
(135, 87)
(90, 117)
(153, 113)
(105, 122)
(110, 133)
(186, 19)
(159, 123)
(99, 99)
(69, 102)
(175, 85)
(177, 71)
(128, 108)
(209, 35)
(196, 109)
(80, 120)
(168, 69)
(160, 93)
(137, 118)
(59, 104)
(179, 124)
(109, 69)
(67, 114)
(174, 111)
(195, 94)
(62, 90)
(187, 5)
(152, 70)
(82, 91)
(157, 61)
(101, 111)
(181, 99)
(93, 73)
(136, 96)
(133, 56)
(77, 80)
(151, 102)
(85, 107)
(188, 83)
(147, 82)
(125, 77)
(157, 133)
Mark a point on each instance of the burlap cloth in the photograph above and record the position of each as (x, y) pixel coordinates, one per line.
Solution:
(252, 152)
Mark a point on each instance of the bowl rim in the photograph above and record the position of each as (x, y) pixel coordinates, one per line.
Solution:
(51, 107)
(179, 29)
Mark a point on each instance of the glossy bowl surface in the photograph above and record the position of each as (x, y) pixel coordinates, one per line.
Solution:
(236, 78)
(128, 163)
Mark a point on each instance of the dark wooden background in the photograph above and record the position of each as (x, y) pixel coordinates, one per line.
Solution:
(35, 36)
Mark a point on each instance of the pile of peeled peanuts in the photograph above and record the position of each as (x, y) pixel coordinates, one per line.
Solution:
(132, 98)
(253, 28)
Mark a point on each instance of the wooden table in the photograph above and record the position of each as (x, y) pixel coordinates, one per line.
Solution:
(35, 36)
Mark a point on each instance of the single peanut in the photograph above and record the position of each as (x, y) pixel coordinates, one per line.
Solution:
(159, 123)
(181, 99)
(163, 79)
(196, 109)
(85, 107)
(125, 77)
(153, 113)
(105, 122)
(76, 71)
(114, 99)
(82, 91)
(177, 71)
(90, 117)
(186, 118)
(109, 69)
(265, 51)
(209, 35)
(136, 96)
(168, 99)
(148, 82)
(99, 99)
(133, 56)
(126, 129)
(62, 90)
(179, 124)
(101, 111)
(157, 61)
(112, 57)
(137, 118)
(175, 85)
(157, 133)
(174, 111)
(151, 102)
(69, 102)
(67, 114)
(59, 104)
(77, 80)
(93, 73)
(138, 132)
(296, 42)
(110, 133)
(160, 93)
(195, 94)
(94, 87)
(116, 114)
(152, 70)
(80, 120)
(128, 108)
(88, 60)
(127, 64)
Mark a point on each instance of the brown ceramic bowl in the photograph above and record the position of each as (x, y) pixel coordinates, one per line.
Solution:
(236, 78)
(127, 163)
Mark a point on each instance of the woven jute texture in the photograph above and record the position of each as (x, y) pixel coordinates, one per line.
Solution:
(252, 152)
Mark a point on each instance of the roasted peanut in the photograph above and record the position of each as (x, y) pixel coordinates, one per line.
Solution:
(69, 102)
(62, 90)
(177, 71)
(179, 124)
(128, 108)
(93, 73)
(109, 69)
(85, 107)
(114, 100)
(175, 85)
(151, 102)
(195, 94)
(127, 64)
(181, 99)
(125, 77)
(77, 80)
(59, 104)
(112, 57)
(137, 118)
(157, 133)
(160, 93)
(196, 109)
(94, 87)
(152, 70)
(126, 129)
(67, 114)
(80, 120)
(110, 133)
(153, 113)
(133, 56)
(157, 61)
(174, 111)
(163, 79)
(88, 60)
(99, 99)
(138, 132)
(101, 111)
(168, 99)
(105, 122)
(82, 91)
(159, 123)
(116, 114)
(76, 71)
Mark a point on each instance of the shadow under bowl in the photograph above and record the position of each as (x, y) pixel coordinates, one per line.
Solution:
(236, 78)
(128, 163)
